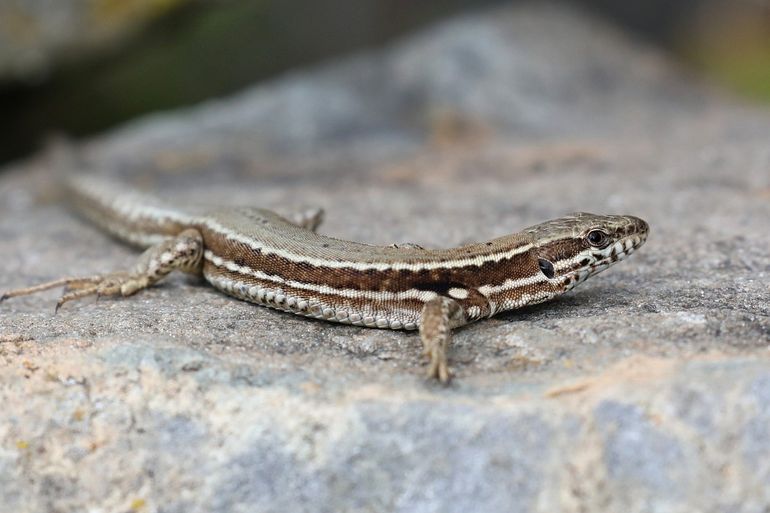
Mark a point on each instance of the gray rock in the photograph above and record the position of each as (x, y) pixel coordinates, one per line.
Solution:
(645, 389)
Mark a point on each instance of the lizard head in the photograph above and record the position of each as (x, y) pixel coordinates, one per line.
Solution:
(572, 248)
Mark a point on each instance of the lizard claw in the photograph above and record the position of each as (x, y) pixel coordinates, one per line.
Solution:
(438, 368)
(406, 245)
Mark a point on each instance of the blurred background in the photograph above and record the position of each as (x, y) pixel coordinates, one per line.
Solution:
(78, 67)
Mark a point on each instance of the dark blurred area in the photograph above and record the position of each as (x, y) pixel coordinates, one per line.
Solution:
(78, 67)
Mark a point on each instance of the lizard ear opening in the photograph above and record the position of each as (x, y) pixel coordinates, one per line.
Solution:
(546, 267)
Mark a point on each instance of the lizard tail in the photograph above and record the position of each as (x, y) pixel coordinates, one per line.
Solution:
(133, 217)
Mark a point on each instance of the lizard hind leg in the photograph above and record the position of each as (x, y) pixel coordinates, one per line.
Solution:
(310, 218)
(439, 316)
(183, 252)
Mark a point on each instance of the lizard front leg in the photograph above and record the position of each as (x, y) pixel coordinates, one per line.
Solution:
(181, 253)
(439, 317)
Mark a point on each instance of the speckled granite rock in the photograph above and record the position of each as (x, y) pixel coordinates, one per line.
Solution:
(645, 389)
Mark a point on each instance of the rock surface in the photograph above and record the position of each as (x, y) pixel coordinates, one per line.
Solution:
(645, 389)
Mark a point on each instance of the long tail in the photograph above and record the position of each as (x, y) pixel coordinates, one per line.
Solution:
(138, 219)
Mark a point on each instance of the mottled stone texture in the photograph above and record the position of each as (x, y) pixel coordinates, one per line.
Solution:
(647, 389)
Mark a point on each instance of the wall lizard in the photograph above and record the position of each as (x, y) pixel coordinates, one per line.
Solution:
(258, 256)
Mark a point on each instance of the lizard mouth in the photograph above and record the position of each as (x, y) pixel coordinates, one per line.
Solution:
(617, 252)
(599, 260)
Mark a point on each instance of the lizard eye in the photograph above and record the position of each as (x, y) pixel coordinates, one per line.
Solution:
(597, 238)
(546, 267)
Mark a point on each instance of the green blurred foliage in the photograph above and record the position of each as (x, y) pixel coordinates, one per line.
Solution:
(199, 49)
(731, 44)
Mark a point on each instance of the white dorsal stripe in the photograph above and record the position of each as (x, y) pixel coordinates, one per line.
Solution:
(137, 208)
(267, 249)
(421, 295)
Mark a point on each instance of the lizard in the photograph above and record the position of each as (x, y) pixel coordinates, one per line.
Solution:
(258, 256)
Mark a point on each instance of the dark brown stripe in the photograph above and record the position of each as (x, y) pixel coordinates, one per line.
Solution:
(562, 249)
(471, 276)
